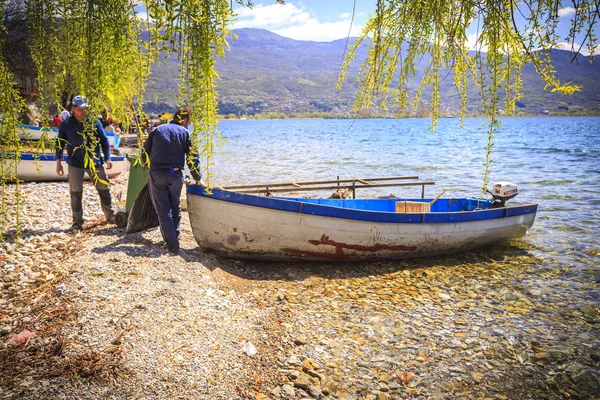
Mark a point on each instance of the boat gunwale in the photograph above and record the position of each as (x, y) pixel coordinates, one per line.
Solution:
(38, 128)
(287, 205)
(52, 157)
(35, 128)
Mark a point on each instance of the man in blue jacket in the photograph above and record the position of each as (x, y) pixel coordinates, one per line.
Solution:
(168, 147)
(83, 149)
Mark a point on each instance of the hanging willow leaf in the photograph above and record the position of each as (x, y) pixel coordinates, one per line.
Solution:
(11, 104)
(510, 34)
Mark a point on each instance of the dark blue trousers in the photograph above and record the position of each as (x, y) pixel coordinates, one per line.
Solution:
(165, 189)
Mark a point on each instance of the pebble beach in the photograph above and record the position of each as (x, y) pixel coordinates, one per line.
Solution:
(115, 316)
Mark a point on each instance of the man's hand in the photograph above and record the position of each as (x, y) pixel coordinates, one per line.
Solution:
(108, 164)
(59, 168)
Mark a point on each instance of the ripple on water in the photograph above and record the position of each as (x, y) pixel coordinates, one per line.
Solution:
(552, 182)
(557, 196)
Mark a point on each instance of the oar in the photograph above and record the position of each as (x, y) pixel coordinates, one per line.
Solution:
(437, 197)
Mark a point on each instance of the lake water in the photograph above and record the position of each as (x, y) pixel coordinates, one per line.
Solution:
(554, 161)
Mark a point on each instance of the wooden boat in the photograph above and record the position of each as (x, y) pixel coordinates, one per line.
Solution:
(237, 223)
(42, 167)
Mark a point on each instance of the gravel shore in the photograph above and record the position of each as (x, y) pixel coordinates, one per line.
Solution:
(145, 324)
(117, 317)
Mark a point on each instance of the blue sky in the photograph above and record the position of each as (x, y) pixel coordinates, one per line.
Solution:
(318, 20)
(327, 20)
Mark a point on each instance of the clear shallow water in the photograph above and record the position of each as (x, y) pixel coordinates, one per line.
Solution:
(555, 162)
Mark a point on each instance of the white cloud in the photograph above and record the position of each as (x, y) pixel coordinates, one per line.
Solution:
(474, 44)
(319, 31)
(143, 15)
(261, 16)
(346, 15)
(573, 47)
(566, 12)
(140, 11)
(294, 22)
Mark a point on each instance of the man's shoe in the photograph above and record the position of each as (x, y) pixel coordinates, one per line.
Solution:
(75, 228)
(174, 249)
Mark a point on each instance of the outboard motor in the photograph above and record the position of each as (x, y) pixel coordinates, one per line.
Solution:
(502, 192)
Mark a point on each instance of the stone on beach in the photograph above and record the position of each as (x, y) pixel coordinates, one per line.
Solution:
(21, 337)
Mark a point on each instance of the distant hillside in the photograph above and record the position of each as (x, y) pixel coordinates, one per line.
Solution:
(264, 72)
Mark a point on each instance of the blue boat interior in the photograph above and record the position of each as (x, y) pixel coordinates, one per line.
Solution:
(373, 210)
(116, 139)
(389, 205)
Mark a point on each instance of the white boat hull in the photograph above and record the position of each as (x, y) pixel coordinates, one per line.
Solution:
(247, 231)
(35, 133)
(28, 132)
(44, 169)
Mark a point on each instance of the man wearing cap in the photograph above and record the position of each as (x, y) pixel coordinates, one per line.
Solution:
(168, 147)
(81, 144)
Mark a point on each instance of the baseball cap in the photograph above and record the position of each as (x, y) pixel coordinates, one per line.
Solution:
(80, 101)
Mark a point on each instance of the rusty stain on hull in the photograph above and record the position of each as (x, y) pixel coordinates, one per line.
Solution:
(317, 255)
(372, 248)
(246, 238)
(291, 253)
(233, 239)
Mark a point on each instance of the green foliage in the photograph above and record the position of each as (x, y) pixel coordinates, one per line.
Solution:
(10, 106)
(196, 31)
(94, 48)
(401, 32)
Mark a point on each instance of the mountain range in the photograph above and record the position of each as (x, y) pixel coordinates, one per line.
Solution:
(267, 73)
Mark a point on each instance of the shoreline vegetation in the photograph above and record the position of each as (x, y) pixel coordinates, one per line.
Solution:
(297, 116)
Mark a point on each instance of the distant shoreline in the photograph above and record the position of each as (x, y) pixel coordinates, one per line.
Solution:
(442, 117)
